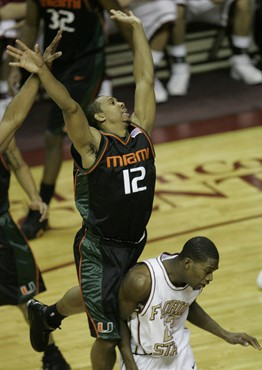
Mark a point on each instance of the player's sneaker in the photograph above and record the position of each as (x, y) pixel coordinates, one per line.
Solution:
(243, 69)
(160, 92)
(179, 80)
(39, 329)
(55, 361)
(32, 227)
(106, 88)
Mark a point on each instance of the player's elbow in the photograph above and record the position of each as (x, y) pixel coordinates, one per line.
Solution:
(17, 120)
(148, 79)
(71, 108)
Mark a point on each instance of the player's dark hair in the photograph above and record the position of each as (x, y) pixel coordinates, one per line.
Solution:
(90, 112)
(199, 249)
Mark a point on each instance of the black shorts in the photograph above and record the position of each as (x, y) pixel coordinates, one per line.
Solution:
(101, 265)
(20, 278)
(83, 79)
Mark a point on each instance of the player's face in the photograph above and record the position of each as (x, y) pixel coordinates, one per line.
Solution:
(201, 273)
(113, 109)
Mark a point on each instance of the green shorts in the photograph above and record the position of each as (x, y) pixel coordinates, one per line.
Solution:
(101, 265)
(20, 278)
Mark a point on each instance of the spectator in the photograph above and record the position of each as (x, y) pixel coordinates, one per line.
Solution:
(214, 12)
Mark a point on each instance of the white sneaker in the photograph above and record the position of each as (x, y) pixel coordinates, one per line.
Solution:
(160, 92)
(243, 69)
(259, 280)
(179, 80)
(106, 88)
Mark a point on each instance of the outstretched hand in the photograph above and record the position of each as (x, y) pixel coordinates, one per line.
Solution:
(129, 19)
(32, 60)
(50, 53)
(243, 339)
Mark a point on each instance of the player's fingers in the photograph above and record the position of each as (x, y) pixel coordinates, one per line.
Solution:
(254, 343)
(51, 58)
(13, 54)
(43, 211)
(36, 48)
(14, 64)
(22, 45)
(58, 36)
(14, 49)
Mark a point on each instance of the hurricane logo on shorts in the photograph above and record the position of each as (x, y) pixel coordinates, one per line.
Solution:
(109, 327)
(28, 289)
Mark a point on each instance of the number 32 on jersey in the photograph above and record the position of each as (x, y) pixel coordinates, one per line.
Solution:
(61, 20)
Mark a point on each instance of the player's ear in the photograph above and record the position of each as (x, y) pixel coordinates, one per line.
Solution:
(187, 263)
(100, 117)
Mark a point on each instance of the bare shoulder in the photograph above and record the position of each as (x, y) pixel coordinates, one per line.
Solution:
(137, 283)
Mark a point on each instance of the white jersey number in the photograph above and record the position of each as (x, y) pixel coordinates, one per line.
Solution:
(61, 19)
(132, 186)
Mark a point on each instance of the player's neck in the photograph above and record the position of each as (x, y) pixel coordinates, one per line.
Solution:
(117, 129)
(173, 270)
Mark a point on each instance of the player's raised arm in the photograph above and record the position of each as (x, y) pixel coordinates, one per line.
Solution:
(84, 138)
(29, 33)
(145, 105)
(17, 111)
(21, 104)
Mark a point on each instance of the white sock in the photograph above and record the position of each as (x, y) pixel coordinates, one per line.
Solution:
(3, 87)
(157, 56)
(178, 51)
(241, 42)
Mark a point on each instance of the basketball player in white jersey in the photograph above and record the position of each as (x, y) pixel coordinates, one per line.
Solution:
(157, 296)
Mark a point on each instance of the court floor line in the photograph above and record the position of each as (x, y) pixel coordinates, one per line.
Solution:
(170, 236)
(164, 134)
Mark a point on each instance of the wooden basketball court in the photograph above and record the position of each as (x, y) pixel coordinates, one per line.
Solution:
(207, 185)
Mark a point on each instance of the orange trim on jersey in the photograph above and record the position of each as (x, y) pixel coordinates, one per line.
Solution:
(147, 136)
(117, 137)
(98, 159)
(75, 183)
(79, 277)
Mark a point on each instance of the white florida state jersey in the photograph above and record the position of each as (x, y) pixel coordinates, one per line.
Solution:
(157, 328)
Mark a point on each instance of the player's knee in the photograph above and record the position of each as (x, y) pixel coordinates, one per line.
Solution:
(106, 345)
(243, 6)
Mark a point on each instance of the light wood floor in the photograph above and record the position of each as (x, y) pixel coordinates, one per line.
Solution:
(208, 186)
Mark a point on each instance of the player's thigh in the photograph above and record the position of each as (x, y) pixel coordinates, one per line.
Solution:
(154, 15)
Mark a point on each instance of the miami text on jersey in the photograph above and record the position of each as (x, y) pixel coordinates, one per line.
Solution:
(125, 159)
(69, 4)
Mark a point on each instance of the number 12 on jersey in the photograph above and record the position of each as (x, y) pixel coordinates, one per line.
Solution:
(133, 186)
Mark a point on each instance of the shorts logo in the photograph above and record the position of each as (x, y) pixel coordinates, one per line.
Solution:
(28, 289)
(108, 329)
